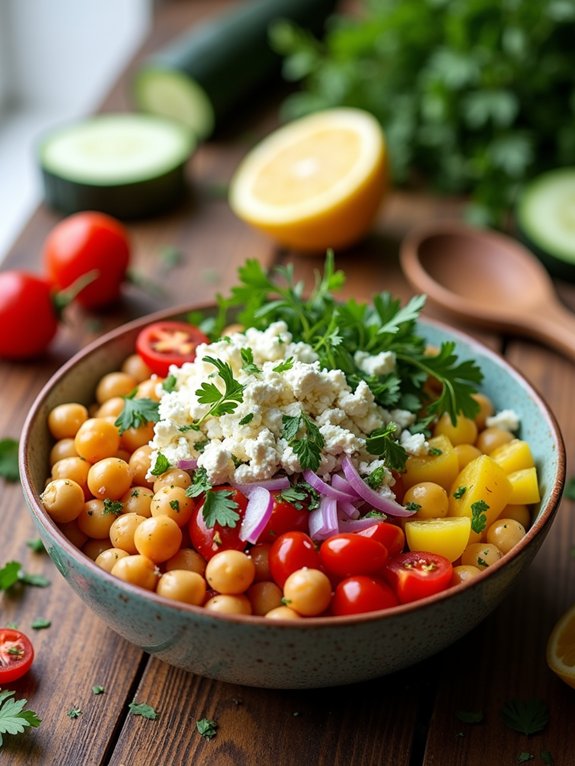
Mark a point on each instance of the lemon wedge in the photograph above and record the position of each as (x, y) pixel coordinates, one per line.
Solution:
(561, 648)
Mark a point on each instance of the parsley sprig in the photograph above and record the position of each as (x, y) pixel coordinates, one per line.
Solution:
(222, 402)
(525, 716)
(305, 438)
(137, 412)
(14, 719)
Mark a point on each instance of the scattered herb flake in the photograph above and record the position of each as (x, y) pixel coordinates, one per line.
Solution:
(246, 419)
(114, 507)
(525, 716)
(377, 477)
(547, 758)
(74, 712)
(41, 623)
(478, 515)
(141, 708)
(98, 690)
(14, 719)
(9, 459)
(161, 465)
(284, 366)
(412, 506)
(459, 492)
(248, 364)
(36, 545)
(524, 757)
(169, 383)
(35, 580)
(207, 728)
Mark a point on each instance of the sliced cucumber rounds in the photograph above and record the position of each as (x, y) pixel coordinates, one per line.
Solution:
(126, 165)
(546, 220)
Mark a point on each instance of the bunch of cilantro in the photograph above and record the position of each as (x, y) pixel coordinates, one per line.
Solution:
(475, 96)
(337, 329)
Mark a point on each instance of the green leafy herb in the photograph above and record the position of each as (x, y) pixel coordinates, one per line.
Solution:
(478, 515)
(9, 459)
(305, 438)
(98, 690)
(459, 492)
(453, 85)
(36, 580)
(200, 483)
(114, 507)
(41, 623)
(246, 419)
(161, 465)
(248, 362)
(36, 545)
(481, 562)
(141, 708)
(434, 451)
(526, 716)
(207, 728)
(74, 712)
(12, 572)
(470, 716)
(175, 505)
(221, 402)
(284, 366)
(220, 508)
(412, 506)
(524, 757)
(382, 442)
(137, 412)
(169, 383)
(301, 495)
(376, 478)
(14, 719)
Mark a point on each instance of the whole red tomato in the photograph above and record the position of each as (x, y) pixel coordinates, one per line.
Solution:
(292, 551)
(88, 243)
(347, 554)
(28, 315)
(360, 593)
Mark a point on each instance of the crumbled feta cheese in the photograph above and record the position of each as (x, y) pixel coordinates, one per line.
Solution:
(414, 444)
(508, 420)
(379, 364)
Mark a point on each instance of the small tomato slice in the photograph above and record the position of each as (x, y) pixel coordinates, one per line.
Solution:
(391, 535)
(209, 539)
(292, 551)
(361, 593)
(347, 554)
(417, 574)
(165, 343)
(16, 655)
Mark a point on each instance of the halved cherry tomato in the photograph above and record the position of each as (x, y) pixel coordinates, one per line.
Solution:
(209, 540)
(391, 535)
(415, 575)
(292, 551)
(347, 554)
(285, 517)
(164, 343)
(88, 242)
(361, 593)
(16, 655)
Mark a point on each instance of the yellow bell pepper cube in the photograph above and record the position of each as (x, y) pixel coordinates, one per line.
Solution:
(445, 536)
(513, 456)
(525, 486)
(441, 465)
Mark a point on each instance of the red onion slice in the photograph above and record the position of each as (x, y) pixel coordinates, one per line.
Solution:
(282, 482)
(188, 465)
(377, 501)
(323, 521)
(347, 510)
(338, 482)
(257, 515)
(326, 489)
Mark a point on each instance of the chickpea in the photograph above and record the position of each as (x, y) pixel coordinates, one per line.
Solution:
(307, 591)
(187, 558)
(158, 538)
(283, 613)
(63, 499)
(481, 555)
(464, 573)
(173, 502)
(182, 585)
(140, 465)
(464, 431)
(123, 529)
(111, 408)
(96, 439)
(137, 570)
(74, 468)
(520, 513)
(109, 478)
(106, 559)
(65, 420)
(63, 448)
(466, 453)
(96, 519)
(260, 556)
(486, 410)
(113, 385)
(227, 604)
(491, 438)
(230, 572)
(138, 500)
(93, 548)
(264, 597)
(135, 366)
(73, 533)
(505, 534)
(132, 438)
(430, 497)
(148, 389)
(174, 477)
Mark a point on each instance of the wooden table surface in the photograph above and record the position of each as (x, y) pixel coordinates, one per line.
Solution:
(406, 719)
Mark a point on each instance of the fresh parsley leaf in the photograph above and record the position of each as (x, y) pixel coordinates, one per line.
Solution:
(207, 728)
(382, 442)
(41, 623)
(478, 515)
(459, 492)
(169, 383)
(74, 712)
(9, 574)
(376, 478)
(301, 495)
(161, 465)
(114, 507)
(305, 438)
(9, 459)
(412, 506)
(36, 545)
(98, 690)
(36, 580)
(246, 419)
(434, 451)
(141, 708)
(470, 716)
(220, 508)
(221, 402)
(14, 719)
(248, 362)
(284, 366)
(200, 483)
(525, 716)
(137, 412)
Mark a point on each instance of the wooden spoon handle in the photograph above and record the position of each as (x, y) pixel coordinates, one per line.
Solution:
(554, 324)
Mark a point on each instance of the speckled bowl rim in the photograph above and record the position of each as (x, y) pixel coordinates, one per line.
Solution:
(540, 526)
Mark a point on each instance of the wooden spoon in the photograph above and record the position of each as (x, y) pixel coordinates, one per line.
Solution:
(489, 278)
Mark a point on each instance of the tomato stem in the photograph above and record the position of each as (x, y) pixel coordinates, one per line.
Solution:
(65, 297)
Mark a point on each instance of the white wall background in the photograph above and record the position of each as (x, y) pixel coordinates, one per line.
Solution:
(57, 60)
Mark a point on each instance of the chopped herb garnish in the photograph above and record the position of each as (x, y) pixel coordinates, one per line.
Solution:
(459, 492)
(373, 514)
(175, 505)
(201, 445)
(301, 495)
(412, 506)
(74, 712)
(284, 366)
(169, 383)
(113, 506)
(221, 402)
(187, 427)
(137, 412)
(526, 716)
(246, 419)
(305, 438)
(524, 757)
(9, 459)
(200, 483)
(434, 451)
(41, 623)
(220, 508)
(248, 362)
(377, 477)
(382, 442)
(12, 572)
(161, 465)
(481, 562)
(478, 515)
(36, 580)
(98, 690)
(207, 728)
(36, 545)
(140, 708)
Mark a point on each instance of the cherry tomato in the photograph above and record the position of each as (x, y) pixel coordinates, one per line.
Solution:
(391, 535)
(83, 243)
(347, 554)
(16, 655)
(361, 593)
(292, 551)
(164, 343)
(415, 574)
(209, 540)
(285, 517)
(28, 315)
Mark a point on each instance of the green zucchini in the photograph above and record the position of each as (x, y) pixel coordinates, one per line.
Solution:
(126, 165)
(203, 75)
(545, 220)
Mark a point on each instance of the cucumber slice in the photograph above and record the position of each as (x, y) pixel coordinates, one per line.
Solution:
(204, 74)
(546, 220)
(126, 165)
